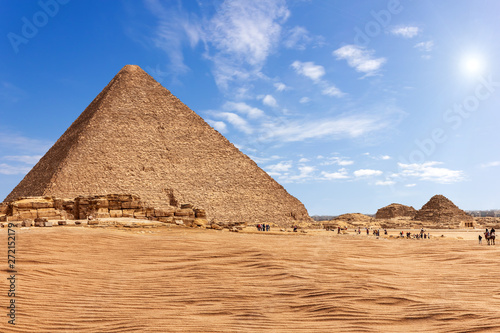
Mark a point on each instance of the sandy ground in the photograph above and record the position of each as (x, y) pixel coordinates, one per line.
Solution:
(82, 279)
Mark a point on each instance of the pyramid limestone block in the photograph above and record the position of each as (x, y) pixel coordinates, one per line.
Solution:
(137, 138)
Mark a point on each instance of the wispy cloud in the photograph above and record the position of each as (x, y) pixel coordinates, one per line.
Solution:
(27, 159)
(23, 144)
(175, 28)
(360, 59)
(429, 171)
(6, 169)
(243, 34)
(340, 174)
(367, 173)
(280, 86)
(309, 69)
(337, 160)
(10, 93)
(218, 125)
(490, 164)
(297, 38)
(405, 31)
(238, 122)
(304, 100)
(316, 72)
(244, 108)
(385, 183)
(341, 127)
(269, 101)
(425, 46)
(332, 91)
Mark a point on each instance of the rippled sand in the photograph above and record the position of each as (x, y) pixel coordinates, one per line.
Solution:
(76, 279)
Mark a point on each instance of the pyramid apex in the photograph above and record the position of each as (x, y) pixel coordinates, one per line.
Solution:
(131, 69)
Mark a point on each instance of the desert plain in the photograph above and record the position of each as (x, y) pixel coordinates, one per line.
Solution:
(174, 279)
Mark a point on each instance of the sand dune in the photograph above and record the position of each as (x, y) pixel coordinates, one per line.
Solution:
(77, 279)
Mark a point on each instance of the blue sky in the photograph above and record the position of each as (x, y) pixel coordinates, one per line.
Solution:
(351, 105)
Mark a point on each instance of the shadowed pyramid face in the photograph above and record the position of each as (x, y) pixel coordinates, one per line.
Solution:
(137, 138)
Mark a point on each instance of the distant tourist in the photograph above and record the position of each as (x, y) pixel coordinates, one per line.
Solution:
(268, 227)
(480, 239)
(338, 230)
(294, 228)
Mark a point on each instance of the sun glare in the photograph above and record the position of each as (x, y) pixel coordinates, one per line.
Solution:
(472, 65)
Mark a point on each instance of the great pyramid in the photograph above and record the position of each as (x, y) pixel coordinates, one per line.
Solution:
(441, 210)
(395, 210)
(137, 138)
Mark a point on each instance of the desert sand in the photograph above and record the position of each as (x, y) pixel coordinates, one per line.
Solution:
(83, 279)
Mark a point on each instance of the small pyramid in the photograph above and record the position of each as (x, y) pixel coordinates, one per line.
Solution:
(440, 209)
(137, 138)
(395, 210)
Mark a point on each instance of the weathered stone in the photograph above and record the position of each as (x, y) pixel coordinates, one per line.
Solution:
(28, 214)
(164, 219)
(41, 219)
(62, 222)
(186, 206)
(27, 223)
(394, 211)
(128, 212)
(39, 224)
(47, 224)
(50, 213)
(132, 205)
(4, 208)
(43, 204)
(184, 212)
(115, 213)
(200, 222)
(200, 213)
(164, 212)
(140, 214)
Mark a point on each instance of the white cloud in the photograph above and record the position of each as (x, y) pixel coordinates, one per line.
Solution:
(385, 157)
(6, 169)
(303, 160)
(340, 174)
(309, 69)
(337, 160)
(367, 173)
(244, 108)
(280, 86)
(341, 127)
(429, 172)
(425, 46)
(235, 120)
(297, 38)
(385, 183)
(360, 58)
(218, 125)
(22, 144)
(244, 33)
(305, 172)
(175, 26)
(490, 164)
(27, 159)
(304, 100)
(410, 185)
(405, 31)
(269, 101)
(332, 91)
(280, 167)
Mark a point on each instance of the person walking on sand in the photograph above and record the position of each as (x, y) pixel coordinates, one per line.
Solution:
(480, 239)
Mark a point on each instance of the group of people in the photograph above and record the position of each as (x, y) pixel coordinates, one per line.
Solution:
(489, 235)
(421, 235)
(263, 227)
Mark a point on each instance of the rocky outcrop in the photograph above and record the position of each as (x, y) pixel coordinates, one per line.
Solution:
(137, 138)
(43, 209)
(395, 211)
(440, 211)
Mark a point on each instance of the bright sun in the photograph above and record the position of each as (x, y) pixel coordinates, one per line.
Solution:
(472, 64)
